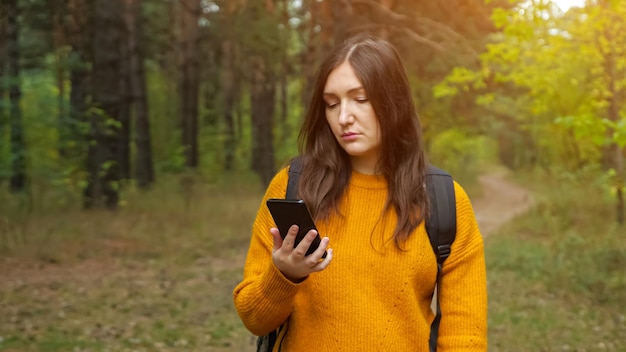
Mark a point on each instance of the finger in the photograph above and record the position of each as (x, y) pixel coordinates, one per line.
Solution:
(319, 252)
(304, 245)
(278, 240)
(324, 263)
(290, 238)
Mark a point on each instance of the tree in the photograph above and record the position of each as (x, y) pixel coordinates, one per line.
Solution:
(104, 153)
(228, 81)
(17, 181)
(188, 18)
(3, 59)
(263, 48)
(73, 137)
(610, 25)
(560, 82)
(144, 169)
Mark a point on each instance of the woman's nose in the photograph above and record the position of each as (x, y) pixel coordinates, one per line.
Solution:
(345, 114)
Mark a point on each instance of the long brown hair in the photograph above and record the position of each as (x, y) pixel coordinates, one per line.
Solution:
(326, 166)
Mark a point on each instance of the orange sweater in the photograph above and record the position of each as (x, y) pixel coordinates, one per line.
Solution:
(372, 296)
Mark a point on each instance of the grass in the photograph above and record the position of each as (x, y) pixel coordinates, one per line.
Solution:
(556, 275)
(158, 275)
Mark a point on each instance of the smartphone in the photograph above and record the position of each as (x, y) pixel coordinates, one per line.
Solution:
(288, 212)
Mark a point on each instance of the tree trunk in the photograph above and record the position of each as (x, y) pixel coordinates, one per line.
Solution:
(144, 168)
(58, 35)
(18, 147)
(125, 93)
(262, 105)
(310, 54)
(284, 71)
(262, 75)
(341, 19)
(619, 157)
(124, 117)
(211, 80)
(616, 156)
(227, 79)
(73, 139)
(3, 80)
(229, 85)
(104, 153)
(189, 12)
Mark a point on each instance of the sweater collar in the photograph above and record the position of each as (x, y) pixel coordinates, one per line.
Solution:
(368, 181)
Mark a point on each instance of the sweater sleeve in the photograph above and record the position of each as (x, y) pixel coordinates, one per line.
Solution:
(264, 297)
(463, 291)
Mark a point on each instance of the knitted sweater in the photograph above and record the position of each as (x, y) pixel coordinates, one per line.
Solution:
(372, 296)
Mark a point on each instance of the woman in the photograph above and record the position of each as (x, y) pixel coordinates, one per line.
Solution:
(363, 177)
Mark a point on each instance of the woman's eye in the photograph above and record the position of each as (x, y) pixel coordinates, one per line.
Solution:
(331, 105)
(362, 100)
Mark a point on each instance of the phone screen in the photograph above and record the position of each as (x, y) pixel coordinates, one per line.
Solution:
(288, 212)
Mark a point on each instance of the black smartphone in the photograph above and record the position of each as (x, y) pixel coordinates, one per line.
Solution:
(288, 212)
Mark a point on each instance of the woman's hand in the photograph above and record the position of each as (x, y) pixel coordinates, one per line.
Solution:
(291, 261)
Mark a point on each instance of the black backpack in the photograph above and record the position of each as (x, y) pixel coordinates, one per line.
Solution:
(440, 226)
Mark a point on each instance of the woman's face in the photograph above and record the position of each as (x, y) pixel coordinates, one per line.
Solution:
(352, 118)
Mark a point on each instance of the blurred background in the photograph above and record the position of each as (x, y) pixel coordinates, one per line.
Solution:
(137, 137)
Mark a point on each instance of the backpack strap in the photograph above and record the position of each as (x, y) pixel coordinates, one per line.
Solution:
(441, 229)
(266, 343)
(295, 169)
(441, 224)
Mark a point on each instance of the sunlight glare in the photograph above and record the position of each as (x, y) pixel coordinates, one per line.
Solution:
(565, 5)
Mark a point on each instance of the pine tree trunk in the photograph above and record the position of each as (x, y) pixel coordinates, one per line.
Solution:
(104, 153)
(262, 105)
(125, 94)
(17, 181)
(58, 34)
(144, 168)
(616, 156)
(619, 156)
(73, 140)
(189, 11)
(3, 80)
(227, 79)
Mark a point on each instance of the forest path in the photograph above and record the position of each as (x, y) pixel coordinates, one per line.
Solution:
(501, 201)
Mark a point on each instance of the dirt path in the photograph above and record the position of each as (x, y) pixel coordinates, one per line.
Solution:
(502, 200)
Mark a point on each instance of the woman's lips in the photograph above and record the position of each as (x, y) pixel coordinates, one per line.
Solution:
(349, 136)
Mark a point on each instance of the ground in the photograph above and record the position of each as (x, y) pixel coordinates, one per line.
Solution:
(148, 305)
(501, 201)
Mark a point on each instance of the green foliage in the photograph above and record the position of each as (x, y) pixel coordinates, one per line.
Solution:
(286, 132)
(39, 109)
(555, 70)
(461, 154)
(459, 78)
(589, 127)
(167, 152)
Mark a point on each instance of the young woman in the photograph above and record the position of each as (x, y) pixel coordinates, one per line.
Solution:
(363, 180)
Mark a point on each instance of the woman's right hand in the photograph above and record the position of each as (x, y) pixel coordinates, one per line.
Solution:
(293, 262)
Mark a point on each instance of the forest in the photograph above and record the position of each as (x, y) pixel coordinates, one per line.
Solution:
(137, 136)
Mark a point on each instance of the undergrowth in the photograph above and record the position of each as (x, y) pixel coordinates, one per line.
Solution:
(158, 274)
(556, 275)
